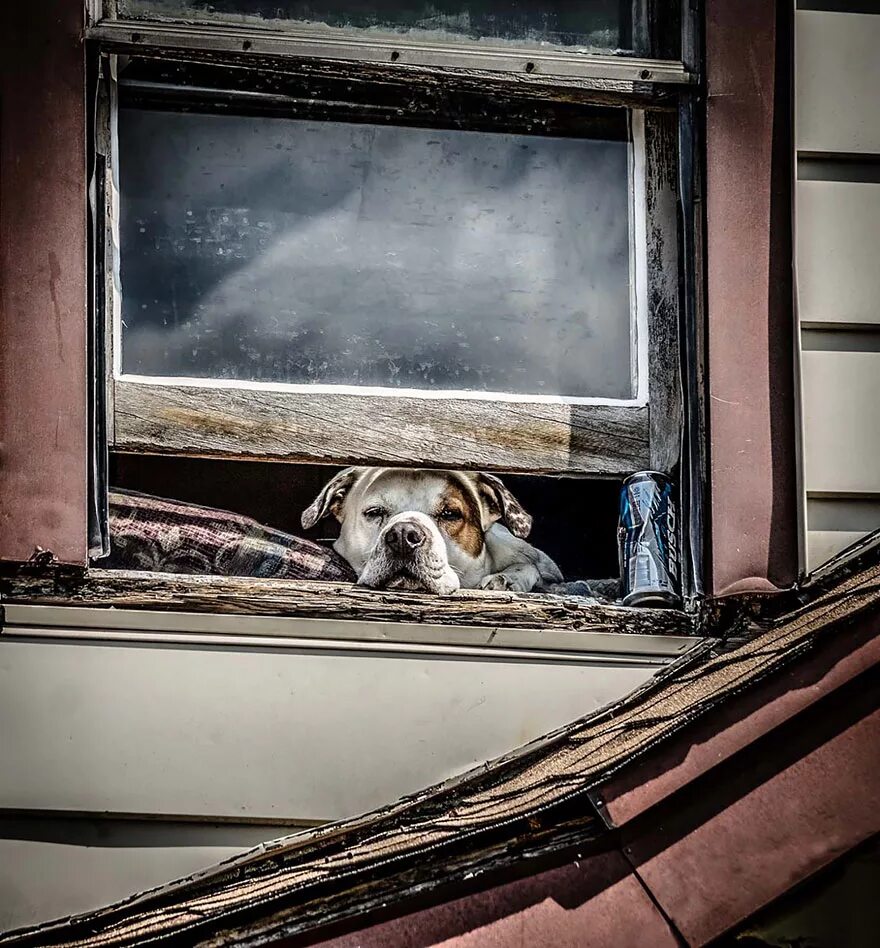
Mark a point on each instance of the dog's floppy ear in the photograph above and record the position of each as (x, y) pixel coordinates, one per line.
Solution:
(331, 497)
(503, 506)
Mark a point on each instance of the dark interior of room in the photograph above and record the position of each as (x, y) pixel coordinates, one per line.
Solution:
(575, 519)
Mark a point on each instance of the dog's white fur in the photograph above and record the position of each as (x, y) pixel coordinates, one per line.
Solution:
(469, 528)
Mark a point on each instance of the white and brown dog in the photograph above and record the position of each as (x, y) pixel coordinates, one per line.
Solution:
(433, 530)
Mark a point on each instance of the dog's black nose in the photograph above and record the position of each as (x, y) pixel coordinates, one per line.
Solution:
(405, 536)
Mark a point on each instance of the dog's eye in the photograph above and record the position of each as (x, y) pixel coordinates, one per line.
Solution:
(450, 514)
(375, 513)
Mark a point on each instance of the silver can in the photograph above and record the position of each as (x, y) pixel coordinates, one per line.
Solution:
(648, 541)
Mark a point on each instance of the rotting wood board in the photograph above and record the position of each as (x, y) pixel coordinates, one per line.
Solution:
(335, 428)
(275, 597)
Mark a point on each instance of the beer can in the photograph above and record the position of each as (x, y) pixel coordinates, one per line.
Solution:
(648, 541)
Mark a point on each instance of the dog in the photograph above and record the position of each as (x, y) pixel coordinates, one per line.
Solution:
(432, 530)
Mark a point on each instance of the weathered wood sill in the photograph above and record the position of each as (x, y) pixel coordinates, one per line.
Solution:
(304, 599)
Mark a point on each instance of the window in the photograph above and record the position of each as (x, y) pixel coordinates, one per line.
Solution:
(334, 254)
(439, 235)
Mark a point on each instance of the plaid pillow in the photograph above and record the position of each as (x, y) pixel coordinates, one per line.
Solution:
(170, 536)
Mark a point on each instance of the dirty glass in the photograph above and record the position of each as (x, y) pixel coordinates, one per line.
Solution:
(315, 252)
(600, 24)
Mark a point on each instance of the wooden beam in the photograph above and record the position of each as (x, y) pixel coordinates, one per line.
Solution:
(244, 422)
(662, 240)
(276, 597)
(567, 72)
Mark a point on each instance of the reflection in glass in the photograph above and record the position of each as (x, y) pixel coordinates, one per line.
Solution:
(601, 24)
(297, 251)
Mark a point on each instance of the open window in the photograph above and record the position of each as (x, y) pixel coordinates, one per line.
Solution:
(442, 238)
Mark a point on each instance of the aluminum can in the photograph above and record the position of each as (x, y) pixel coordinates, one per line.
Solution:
(648, 541)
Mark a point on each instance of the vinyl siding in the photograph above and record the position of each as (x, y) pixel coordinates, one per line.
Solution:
(837, 224)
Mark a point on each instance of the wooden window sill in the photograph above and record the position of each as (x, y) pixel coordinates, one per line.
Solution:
(245, 596)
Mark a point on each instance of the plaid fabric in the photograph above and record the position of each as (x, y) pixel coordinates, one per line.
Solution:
(169, 536)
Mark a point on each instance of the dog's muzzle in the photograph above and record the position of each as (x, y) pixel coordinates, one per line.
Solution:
(410, 554)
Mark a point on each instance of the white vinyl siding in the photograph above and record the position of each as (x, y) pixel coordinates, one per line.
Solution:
(56, 867)
(836, 523)
(137, 753)
(284, 733)
(838, 250)
(838, 75)
(842, 421)
(837, 223)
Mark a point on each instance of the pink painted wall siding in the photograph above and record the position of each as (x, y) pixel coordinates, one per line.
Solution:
(43, 372)
(750, 310)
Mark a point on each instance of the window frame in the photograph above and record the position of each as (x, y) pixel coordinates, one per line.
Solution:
(612, 72)
(345, 424)
(727, 113)
(661, 428)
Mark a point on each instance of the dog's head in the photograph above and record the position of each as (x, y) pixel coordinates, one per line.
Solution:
(416, 529)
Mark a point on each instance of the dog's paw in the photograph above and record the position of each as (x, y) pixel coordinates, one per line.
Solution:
(502, 582)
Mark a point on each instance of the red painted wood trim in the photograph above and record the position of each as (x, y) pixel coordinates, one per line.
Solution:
(596, 903)
(739, 722)
(705, 873)
(749, 286)
(43, 260)
(725, 867)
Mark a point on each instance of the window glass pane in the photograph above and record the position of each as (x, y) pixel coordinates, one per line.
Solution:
(300, 251)
(601, 24)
